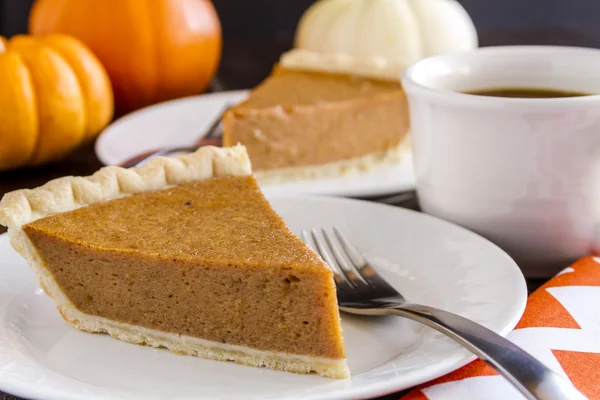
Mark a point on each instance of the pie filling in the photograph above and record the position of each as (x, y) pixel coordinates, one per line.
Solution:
(303, 118)
(207, 260)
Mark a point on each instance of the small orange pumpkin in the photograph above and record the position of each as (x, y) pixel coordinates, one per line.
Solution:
(54, 95)
(153, 50)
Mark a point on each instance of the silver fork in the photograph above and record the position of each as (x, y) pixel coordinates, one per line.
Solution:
(361, 290)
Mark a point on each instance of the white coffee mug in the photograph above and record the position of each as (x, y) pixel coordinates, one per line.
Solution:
(524, 173)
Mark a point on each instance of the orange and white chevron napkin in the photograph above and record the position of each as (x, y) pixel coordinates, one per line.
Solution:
(560, 327)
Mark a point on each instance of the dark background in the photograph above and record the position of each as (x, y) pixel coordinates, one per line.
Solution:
(256, 32)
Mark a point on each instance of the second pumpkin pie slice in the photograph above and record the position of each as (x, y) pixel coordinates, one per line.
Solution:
(320, 115)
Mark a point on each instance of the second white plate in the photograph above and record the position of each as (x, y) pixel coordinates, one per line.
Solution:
(428, 260)
(181, 123)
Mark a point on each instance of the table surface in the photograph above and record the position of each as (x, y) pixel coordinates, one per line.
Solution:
(257, 60)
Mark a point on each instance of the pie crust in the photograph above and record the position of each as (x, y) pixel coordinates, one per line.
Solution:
(339, 168)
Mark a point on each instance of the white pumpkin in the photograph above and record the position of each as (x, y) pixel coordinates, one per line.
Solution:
(402, 31)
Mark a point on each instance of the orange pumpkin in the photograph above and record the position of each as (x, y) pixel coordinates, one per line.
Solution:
(54, 95)
(153, 50)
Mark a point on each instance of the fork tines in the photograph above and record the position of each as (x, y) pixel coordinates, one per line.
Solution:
(348, 266)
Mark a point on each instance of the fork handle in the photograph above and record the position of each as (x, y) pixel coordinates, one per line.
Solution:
(532, 378)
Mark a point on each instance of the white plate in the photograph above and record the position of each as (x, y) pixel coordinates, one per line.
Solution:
(181, 123)
(430, 261)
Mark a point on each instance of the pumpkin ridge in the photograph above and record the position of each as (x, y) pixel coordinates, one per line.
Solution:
(34, 105)
(78, 82)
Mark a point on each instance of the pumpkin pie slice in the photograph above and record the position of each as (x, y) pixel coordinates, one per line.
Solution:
(320, 115)
(183, 253)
